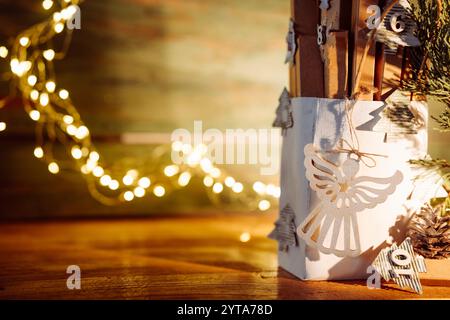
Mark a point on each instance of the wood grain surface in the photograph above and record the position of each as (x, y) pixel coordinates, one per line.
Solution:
(164, 258)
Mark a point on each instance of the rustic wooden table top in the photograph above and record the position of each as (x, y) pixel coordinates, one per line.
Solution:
(164, 258)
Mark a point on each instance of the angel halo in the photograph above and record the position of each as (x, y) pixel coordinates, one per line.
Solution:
(332, 226)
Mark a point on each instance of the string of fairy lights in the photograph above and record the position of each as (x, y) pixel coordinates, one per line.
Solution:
(31, 57)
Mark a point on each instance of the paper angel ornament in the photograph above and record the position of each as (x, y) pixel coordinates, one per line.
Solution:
(332, 226)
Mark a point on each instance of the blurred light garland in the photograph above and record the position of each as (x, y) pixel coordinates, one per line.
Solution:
(31, 55)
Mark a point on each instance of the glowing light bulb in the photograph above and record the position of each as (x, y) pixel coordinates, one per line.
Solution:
(24, 41)
(144, 182)
(68, 12)
(76, 152)
(32, 79)
(43, 99)
(128, 196)
(38, 152)
(35, 115)
(3, 52)
(208, 181)
(85, 151)
(184, 178)
(50, 86)
(57, 16)
(71, 130)
(237, 187)
(259, 187)
(82, 132)
(217, 187)
(94, 156)
(105, 180)
(68, 119)
(159, 191)
(64, 94)
(47, 4)
(20, 68)
(49, 54)
(98, 171)
(34, 95)
(127, 180)
(133, 173)
(84, 169)
(114, 185)
(264, 205)
(59, 27)
(277, 192)
(271, 189)
(171, 170)
(53, 167)
(2, 126)
(206, 165)
(139, 192)
(229, 181)
(244, 237)
(194, 159)
(215, 173)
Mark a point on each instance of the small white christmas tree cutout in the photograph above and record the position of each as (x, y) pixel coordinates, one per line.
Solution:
(285, 229)
(342, 194)
(283, 117)
(401, 264)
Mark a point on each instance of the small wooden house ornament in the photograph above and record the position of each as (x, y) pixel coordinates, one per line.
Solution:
(402, 265)
(397, 28)
(284, 113)
(285, 229)
(291, 41)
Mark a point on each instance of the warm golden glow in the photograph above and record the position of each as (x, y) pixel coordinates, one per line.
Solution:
(32, 79)
(24, 41)
(105, 180)
(264, 205)
(47, 4)
(144, 182)
(49, 54)
(38, 152)
(159, 191)
(53, 167)
(217, 187)
(76, 152)
(50, 86)
(171, 170)
(208, 181)
(3, 52)
(64, 94)
(35, 115)
(184, 178)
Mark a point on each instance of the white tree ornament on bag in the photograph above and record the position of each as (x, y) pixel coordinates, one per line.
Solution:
(332, 226)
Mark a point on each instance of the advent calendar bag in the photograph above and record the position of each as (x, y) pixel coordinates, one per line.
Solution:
(345, 182)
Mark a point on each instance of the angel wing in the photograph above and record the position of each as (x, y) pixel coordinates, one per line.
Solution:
(324, 177)
(367, 192)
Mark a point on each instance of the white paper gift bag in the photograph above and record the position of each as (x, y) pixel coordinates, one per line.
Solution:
(338, 208)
